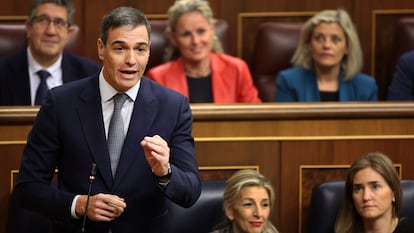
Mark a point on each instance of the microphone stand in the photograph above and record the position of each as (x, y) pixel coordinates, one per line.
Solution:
(91, 179)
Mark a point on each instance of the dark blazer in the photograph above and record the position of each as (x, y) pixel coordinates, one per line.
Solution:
(402, 84)
(300, 85)
(15, 81)
(69, 134)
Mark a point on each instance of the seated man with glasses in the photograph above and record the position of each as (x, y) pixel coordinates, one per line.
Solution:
(26, 76)
(44, 21)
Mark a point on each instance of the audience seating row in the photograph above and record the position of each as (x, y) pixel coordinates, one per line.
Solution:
(208, 210)
(274, 46)
(13, 38)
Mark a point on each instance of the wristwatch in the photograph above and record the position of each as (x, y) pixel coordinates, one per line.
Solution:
(166, 176)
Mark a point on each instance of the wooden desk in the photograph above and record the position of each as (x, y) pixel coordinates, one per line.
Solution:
(294, 145)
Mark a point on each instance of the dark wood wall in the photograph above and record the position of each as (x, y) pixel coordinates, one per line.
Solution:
(375, 22)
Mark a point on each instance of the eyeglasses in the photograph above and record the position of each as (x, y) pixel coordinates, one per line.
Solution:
(44, 21)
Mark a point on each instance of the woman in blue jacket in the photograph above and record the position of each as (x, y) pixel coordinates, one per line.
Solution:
(327, 63)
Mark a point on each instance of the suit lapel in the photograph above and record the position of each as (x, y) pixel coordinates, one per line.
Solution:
(310, 87)
(90, 115)
(345, 89)
(141, 120)
(177, 79)
(20, 81)
(68, 72)
(218, 88)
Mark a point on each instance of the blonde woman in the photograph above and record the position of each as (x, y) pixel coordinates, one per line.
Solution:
(327, 63)
(201, 72)
(248, 201)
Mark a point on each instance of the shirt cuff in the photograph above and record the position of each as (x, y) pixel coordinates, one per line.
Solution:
(73, 207)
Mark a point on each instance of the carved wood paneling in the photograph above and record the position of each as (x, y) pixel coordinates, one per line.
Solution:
(375, 25)
(10, 154)
(221, 172)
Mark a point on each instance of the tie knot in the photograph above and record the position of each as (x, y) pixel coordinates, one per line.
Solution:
(119, 100)
(43, 74)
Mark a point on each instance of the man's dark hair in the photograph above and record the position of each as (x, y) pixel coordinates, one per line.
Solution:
(123, 16)
(65, 3)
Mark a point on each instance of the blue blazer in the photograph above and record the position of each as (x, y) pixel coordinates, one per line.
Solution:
(15, 81)
(300, 85)
(69, 134)
(402, 84)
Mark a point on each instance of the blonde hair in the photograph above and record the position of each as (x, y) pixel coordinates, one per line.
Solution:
(351, 62)
(181, 7)
(248, 178)
(349, 221)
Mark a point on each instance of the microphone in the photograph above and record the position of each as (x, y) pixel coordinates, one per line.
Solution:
(91, 179)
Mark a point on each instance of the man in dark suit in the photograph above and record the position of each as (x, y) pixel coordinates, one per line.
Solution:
(48, 29)
(402, 84)
(157, 160)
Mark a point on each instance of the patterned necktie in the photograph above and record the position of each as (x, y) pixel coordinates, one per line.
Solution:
(116, 134)
(42, 88)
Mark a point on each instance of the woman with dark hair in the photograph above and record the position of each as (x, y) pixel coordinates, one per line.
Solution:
(373, 198)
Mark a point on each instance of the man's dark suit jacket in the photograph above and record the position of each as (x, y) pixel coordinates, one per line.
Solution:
(69, 134)
(402, 84)
(15, 81)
